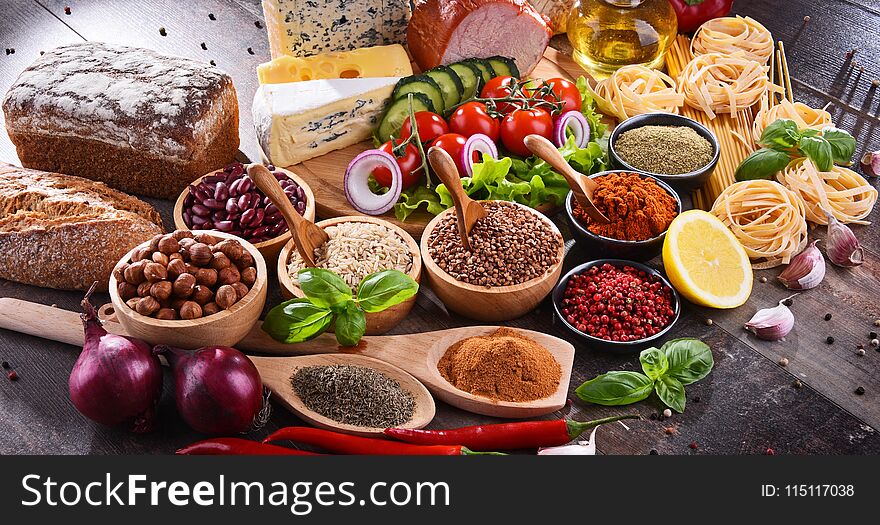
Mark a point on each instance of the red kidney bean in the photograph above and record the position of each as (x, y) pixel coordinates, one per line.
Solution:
(274, 218)
(271, 209)
(261, 231)
(214, 178)
(200, 210)
(277, 229)
(209, 225)
(285, 183)
(243, 202)
(199, 193)
(198, 221)
(235, 188)
(233, 216)
(224, 226)
(231, 206)
(219, 215)
(247, 216)
(189, 200)
(300, 194)
(221, 192)
(187, 218)
(258, 218)
(214, 204)
(300, 207)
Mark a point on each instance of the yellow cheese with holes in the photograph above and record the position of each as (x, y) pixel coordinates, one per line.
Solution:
(366, 62)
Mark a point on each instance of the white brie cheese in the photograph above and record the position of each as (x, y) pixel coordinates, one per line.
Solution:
(298, 121)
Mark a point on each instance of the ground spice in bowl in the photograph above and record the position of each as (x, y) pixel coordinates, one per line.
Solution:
(664, 150)
(503, 366)
(638, 208)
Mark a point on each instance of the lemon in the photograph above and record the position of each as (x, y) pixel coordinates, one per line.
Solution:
(705, 262)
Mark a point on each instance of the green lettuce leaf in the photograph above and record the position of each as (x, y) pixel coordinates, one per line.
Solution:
(415, 198)
(588, 108)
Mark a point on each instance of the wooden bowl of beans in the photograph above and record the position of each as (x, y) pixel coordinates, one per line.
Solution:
(350, 236)
(516, 260)
(228, 201)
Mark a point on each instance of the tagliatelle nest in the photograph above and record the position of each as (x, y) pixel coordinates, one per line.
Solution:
(716, 83)
(633, 90)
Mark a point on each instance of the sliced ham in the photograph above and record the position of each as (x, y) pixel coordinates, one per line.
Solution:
(446, 31)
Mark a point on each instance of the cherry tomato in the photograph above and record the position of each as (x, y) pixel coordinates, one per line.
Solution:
(471, 118)
(431, 126)
(499, 87)
(452, 143)
(410, 166)
(567, 93)
(521, 123)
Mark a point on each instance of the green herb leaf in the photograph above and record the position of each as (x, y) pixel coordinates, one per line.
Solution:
(654, 362)
(350, 325)
(323, 287)
(671, 392)
(381, 290)
(762, 164)
(296, 321)
(616, 388)
(689, 359)
(782, 133)
(843, 145)
(588, 108)
(819, 151)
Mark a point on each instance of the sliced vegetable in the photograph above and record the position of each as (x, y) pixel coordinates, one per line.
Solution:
(420, 84)
(397, 112)
(471, 79)
(450, 84)
(357, 186)
(503, 66)
(576, 123)
(485, 69)
(477, 143)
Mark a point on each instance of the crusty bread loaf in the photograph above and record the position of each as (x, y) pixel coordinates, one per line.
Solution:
(66, 232)
(142, 122)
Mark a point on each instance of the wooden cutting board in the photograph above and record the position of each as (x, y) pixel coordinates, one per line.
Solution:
(324, 174)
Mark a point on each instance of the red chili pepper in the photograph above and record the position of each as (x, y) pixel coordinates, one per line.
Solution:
(238, 447)
(504, 436)
(346, 444)
(692, 13)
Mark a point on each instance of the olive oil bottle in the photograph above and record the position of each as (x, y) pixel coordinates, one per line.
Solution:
(609, 34)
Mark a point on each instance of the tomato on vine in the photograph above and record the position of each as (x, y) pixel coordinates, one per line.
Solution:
(410, 165)
(452, 143)
(517, 125)
(566, 92)
(471, 118)
(430, 126)
(499, 87)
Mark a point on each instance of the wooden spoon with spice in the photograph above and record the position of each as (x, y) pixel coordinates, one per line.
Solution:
(307, 236)
(581, 186)
(467, 210)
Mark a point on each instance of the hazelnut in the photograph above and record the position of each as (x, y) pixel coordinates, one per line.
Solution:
(200, 254)
(191, 268)
(184, 285)
(176, 268)
(229, 275)
(147, 306)
(126, 290)
(186, 243)
(245, 260)
(168, 245)
(181, 234)
(154, 242)
(134, 273)
(202, 294)
(143, 289)
(206, 277)
(210, 309)
(231, 248)
(160, 258)
(132, 303)
(175, 257)
(240, 289)
(119, 272)
(141, 253)
(190, 310)
(249, 275)
(220, 261)
(154, 272)
(161, 290)
(206, 238)
(176, 303)
(167, 314)
(226, 297)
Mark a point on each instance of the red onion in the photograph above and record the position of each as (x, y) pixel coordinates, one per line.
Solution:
(218, 389)
(356, 182)
(476, 143)
(577, 123)
(116, 380)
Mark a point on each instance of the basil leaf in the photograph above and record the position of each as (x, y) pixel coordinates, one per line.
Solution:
(819, 151)
(783, 133)
(381, 290)
(671, 392)
(296, 321)
(350, 325)
(689, 359)
(323, 287)
(762, 164)
(654, 363)
(843, 145)
(616, 388)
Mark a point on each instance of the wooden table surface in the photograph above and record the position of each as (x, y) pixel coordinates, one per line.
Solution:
(747, 404)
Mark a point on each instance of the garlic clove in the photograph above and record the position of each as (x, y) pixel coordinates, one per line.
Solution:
(772, 324)
(871, 163)
(842, 246)
(806, 270)
(581, 448)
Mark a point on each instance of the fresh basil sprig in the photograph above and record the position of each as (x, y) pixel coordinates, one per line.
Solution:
(330, 301)
(666, 370)
(782, 141)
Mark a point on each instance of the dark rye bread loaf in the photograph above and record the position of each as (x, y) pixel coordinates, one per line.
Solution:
(139, 121)
(66, 232)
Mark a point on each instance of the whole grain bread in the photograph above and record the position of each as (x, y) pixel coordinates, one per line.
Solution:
(61, 231)
(135, 119)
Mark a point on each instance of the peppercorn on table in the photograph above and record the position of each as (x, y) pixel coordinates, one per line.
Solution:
(817, 392)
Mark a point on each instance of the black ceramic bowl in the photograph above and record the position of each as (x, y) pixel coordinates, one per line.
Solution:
(602, 344)
(685, 181)
(599, 246)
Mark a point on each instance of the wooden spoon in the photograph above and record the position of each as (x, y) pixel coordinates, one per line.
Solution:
(417, 354)
(306, 235)
(467, 210)
(581, 185)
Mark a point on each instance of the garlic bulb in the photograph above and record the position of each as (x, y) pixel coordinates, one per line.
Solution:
(806, 270)
(842, 246)
(871, 163)
(581, 448)
(772, 324)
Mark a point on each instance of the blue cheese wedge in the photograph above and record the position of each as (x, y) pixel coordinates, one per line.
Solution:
(298, 121)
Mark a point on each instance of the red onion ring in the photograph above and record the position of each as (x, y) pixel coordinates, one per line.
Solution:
(476, 143)
(356, 182)
(577, 123)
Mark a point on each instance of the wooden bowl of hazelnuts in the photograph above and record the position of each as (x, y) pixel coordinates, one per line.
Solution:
(190, 289)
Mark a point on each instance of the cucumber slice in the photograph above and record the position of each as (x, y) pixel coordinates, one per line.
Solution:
(471, 79)
(485, 68)
(504, 66)
(397, 112)
(420, 84)
(449, 84)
